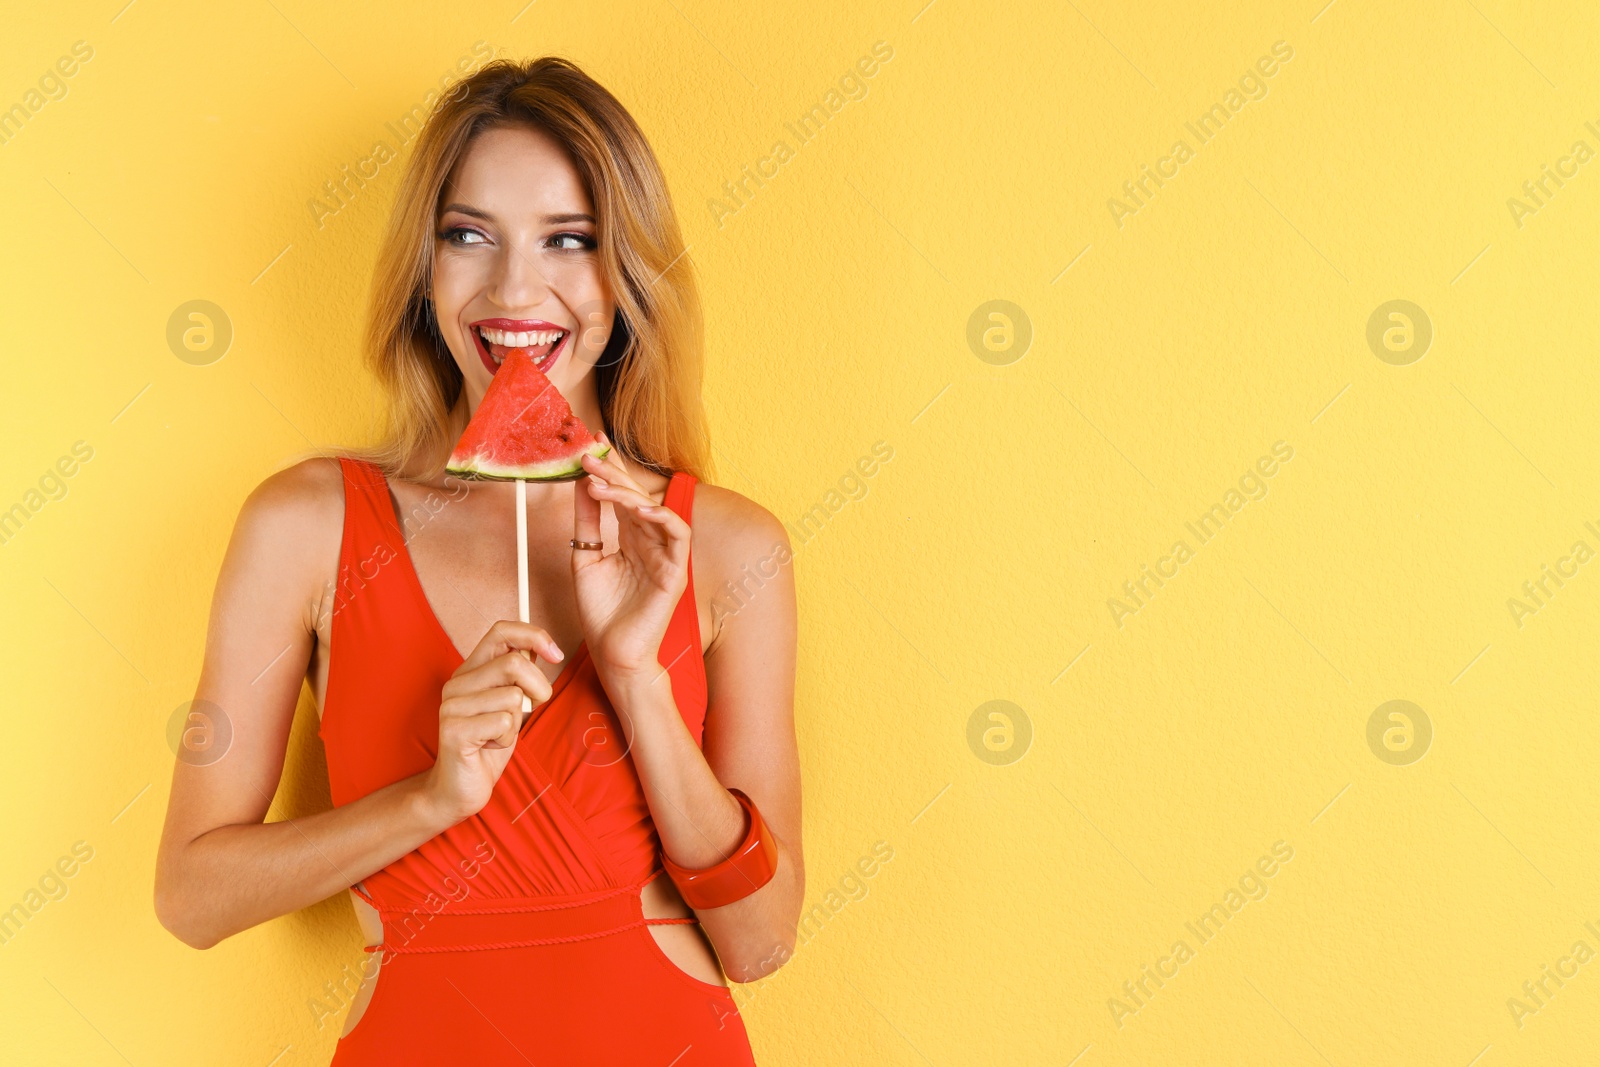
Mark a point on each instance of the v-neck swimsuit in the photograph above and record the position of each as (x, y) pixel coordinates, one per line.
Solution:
(516, 936)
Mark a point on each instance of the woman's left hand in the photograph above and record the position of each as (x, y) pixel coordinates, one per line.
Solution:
(626, 598)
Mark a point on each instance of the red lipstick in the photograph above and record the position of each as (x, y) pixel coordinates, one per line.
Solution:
(544, 356)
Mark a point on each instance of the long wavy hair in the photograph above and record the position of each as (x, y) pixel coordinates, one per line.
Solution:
(648, 378)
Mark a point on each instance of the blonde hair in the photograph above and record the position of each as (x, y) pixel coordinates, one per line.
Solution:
(649, 377)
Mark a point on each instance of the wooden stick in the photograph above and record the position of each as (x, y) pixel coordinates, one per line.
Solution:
(522, 574)
(522, 550)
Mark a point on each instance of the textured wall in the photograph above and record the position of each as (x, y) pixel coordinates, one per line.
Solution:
(1197, 314)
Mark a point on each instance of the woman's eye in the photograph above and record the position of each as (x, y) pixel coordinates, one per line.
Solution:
(462, 236)
(573, 241)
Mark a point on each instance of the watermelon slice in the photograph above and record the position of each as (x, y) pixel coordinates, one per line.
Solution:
(523, 429)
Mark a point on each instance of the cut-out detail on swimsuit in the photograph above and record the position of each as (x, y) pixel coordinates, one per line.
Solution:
(529, 913)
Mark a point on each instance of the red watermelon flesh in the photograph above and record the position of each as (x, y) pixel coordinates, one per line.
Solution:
(523, 429)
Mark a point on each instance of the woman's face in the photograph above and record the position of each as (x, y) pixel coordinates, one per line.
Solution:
(515, 265)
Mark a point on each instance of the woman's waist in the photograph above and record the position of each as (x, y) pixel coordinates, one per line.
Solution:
(441, 924)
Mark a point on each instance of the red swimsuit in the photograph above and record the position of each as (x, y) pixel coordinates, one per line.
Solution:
(516, 936)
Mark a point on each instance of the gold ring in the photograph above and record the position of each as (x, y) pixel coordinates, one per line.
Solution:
(595, 545)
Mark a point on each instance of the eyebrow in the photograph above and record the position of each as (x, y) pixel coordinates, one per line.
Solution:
(550, 220)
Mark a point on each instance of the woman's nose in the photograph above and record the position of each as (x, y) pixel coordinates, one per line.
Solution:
(518, 281)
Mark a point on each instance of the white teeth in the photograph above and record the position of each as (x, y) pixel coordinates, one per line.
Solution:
(521, 339)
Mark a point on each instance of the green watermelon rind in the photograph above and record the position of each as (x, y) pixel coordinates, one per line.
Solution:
(563, 469)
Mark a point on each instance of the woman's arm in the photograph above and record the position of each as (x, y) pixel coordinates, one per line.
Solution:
(220, 869)
(749, 739)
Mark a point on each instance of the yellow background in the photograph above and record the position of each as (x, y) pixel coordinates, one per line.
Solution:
(1230, 712)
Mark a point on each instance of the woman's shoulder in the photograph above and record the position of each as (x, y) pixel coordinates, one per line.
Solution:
(284, 553)
(301, 505)
(731, 530)
(307, 490)
(733, 512)
(737, 541)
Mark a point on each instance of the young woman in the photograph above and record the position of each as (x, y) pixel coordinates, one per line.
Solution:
(559, 835)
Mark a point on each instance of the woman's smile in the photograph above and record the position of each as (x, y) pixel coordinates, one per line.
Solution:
(542, 340)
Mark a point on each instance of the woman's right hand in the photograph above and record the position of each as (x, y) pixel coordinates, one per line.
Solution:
(481, 711)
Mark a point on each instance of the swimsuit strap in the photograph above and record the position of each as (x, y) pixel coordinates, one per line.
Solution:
(370, 524)
(366, 497)
(680, 495)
